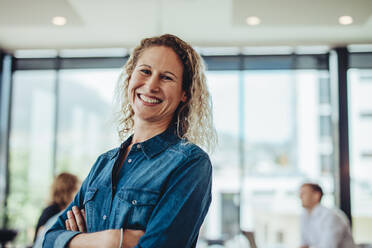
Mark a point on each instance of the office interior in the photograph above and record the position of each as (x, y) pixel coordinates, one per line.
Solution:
(291, 86)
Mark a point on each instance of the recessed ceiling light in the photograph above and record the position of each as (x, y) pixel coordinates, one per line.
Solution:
(59, 20)
(253, 20)
(345, 20)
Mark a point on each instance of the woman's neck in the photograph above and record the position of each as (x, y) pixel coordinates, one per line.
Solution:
(145, 130)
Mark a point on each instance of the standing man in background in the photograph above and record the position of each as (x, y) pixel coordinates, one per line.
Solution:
(322, 227)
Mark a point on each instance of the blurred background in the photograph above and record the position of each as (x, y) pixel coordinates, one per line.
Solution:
(291, 84)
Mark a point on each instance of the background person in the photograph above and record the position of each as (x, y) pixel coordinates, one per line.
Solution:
(62, 191)
(322, 227)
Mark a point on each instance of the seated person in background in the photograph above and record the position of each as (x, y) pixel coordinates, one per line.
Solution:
(63, 189)
(322, 227)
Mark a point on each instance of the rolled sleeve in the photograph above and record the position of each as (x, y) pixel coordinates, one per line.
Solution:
(64, 238)
(57, 236)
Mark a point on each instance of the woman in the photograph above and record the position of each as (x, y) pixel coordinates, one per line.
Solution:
(155, 189)
(62, 192)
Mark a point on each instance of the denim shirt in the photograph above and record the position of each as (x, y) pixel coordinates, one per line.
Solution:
(163, 188)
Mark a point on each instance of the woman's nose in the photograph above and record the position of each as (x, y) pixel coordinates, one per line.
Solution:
(153, 83)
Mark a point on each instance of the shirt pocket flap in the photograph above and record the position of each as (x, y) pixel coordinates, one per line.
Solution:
(89, 194)
(138, 197)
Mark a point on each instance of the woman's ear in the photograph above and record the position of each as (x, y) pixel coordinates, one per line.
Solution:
(184, 97)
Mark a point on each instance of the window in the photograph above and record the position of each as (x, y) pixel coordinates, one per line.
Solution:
(31, 149)
(283, 147)
(85, 118)
(360, 138)
(268, 124)
(230, 215)
(274, 130)
(84, 131)
(224, 89)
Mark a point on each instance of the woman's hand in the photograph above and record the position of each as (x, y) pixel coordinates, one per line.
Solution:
(131, 237)
(106, 239)
(76, 220)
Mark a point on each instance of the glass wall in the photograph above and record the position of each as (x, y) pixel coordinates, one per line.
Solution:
(84, 131)
(31, 148)
(223, 220)
(285, 142)
(85, 118)
(282, 118)
(274, 129)
(360, 138)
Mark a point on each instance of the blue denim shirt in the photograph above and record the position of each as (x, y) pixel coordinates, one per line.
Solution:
(163, 188)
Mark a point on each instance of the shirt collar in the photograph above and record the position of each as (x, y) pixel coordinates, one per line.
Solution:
(159, 143)
(116, 151)
(154, 145)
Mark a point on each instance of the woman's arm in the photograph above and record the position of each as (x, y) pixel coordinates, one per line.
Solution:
(108, 238)
(57, 235)
(176, 219)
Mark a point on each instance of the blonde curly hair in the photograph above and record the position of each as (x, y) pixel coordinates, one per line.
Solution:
(193, 118)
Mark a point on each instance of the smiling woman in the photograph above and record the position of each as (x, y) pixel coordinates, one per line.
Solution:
(155, 189)
(155, 88)
(193, 117)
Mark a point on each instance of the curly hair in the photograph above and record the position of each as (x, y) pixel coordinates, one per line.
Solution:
(63, 189)
(193, 118)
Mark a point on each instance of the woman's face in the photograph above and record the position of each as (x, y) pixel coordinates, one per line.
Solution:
(155, 87)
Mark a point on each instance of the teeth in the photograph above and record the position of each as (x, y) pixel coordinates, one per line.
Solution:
(148, 99)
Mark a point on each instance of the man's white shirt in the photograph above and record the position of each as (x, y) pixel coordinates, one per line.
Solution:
(325, 228)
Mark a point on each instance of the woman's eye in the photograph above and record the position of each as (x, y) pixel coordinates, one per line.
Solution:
(167, 78)
(145, 71)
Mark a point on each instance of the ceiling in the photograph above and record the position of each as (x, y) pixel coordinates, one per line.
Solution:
(26, 24)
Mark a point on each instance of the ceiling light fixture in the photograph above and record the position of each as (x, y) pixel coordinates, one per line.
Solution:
(253, 20)
(345, 20)
(59, 20)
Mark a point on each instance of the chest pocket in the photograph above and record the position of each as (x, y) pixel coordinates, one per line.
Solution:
(140, 204)
(89, 206)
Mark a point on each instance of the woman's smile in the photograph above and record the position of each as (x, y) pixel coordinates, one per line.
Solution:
(149, 100)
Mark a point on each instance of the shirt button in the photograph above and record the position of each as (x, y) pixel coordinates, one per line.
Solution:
(134, 202)
(129, 160)
(138, 146)
(104, 217)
